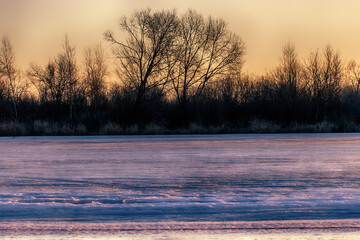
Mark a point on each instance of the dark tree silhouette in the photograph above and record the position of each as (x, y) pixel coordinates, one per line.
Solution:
(56, 82)
(353, 73)
(67, 72)
(324, 74)
(48, 85)
(11, 74)
(95, 71)
(288, 77)
(204, 50)
(141, 57)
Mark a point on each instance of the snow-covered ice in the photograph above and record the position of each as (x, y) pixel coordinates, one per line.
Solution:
(191, 178)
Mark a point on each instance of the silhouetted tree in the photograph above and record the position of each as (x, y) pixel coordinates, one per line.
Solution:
(11, 74)
(67, 72)
(204, 50)
(288, 77)
(353, 73)
(141, 57)
(96, 69)
(46, 81)
(324, 74)
(56, 82)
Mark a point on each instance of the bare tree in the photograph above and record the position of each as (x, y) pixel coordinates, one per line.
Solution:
(46, 82)
(67, 72)
(56, 82)
(288, 77)
(324, 74)
(288, 74)
(2, 90)
(333, 73)
(11, 74)
(96, 70)
(141, 57)
(353, 73)
(204, 50)
(237, 90)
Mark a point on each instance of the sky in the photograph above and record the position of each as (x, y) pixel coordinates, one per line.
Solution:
(37, 27)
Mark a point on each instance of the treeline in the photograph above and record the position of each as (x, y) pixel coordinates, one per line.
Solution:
(176, 74)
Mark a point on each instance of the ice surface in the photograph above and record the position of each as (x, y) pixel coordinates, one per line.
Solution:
(215, 178)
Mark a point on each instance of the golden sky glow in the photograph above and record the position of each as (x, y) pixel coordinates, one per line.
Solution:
(37, 27)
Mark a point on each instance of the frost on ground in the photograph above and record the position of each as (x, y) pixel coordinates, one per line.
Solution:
(231, 236)
(280, 230)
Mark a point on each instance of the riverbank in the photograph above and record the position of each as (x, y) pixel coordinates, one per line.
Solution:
(47, 128)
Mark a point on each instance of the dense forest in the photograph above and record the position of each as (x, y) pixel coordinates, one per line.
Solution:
(169, 73)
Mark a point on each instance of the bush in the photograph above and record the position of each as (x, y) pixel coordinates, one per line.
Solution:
(111, 129)
(155, 129)
(13, 129)
(263, 126)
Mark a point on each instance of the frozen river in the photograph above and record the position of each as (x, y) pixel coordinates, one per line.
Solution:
(216, 178)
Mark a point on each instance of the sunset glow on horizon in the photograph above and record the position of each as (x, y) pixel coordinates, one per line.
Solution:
(37, 28)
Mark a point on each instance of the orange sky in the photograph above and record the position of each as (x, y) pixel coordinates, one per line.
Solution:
(37, 27)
